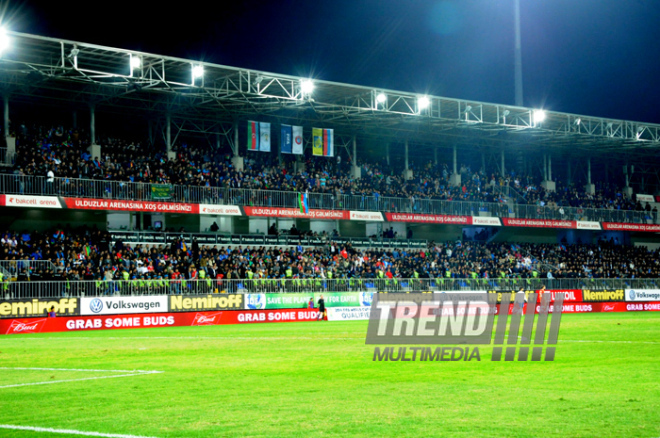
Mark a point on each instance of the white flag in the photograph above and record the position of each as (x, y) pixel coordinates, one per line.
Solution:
(264, 137)
(297, 132)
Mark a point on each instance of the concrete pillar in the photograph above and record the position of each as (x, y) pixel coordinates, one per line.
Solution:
(237, 160)
(569, 179)
(387, 151)
(405, 149)
(171, 155)
(589, 188)
(502, 166)
(547, 184)
(483, 163)
(435, 156)
(92, 125)
(455, 178)
(407, 172)
(627, 190)
(9, 140)
(356, 171)
(5, 126)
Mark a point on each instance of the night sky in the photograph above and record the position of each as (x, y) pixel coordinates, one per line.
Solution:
(592, 57)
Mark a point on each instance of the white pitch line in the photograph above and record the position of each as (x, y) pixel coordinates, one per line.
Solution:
(69, 431)
(50, 382)
(76, 369)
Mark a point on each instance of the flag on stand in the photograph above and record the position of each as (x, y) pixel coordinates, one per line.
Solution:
(302, 203)
(253, 136)
(323, 144)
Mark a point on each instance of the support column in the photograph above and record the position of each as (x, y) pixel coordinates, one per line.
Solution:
(356, 171)
(75, 119)
(407, 173)
(93, 149)
(92, 125)
(502, 166)
(589, 188)
(547, 183)
(171, 155)
(387, 151)
(569, 179)
(435, 156)
(236, 160)
(10, 140)
(627, 190)
(455, 178)
(483, 163)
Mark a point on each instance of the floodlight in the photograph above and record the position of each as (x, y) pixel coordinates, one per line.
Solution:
(506, 113)
(468, 108)
(423, 103)
(539, 116)
(4, 39)
(306, 86)
(578, 121)
(135, 62)
(381, 98)
(198, 71)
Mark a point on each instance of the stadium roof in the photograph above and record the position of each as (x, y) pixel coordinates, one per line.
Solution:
(42, 69)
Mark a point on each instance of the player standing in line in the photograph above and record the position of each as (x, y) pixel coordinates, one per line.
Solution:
(321, 308)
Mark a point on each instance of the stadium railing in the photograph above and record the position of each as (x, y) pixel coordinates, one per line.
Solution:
(117, 190)
(210, 238)
(136, 287)
(13, 267)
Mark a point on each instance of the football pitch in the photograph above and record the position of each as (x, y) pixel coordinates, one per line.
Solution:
(318, 379)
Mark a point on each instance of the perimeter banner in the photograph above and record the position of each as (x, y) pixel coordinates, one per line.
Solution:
(39, 307)
(107, 322)
(570, 295)
(301, 300)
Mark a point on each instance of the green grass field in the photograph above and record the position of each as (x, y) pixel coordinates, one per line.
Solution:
(318, 379)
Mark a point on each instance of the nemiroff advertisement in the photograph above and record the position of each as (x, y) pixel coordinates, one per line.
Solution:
(123, 305)
(38, 307)
(301, 300)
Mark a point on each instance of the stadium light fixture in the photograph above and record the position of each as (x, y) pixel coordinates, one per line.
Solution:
(4, 40)
(539, 116)
(135, 62)
(306, 87)
(197, 71)
(423, 102)
(381, 98)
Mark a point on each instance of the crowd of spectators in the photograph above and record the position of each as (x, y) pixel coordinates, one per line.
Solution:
(62, 254)
(61, 153)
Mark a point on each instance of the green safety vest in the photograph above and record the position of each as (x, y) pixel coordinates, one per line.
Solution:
(202, 274)
(289, 273)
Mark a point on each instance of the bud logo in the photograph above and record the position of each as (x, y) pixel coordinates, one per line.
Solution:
(207, 319)
(22, 327)
(255, 301)
(366, 298)
(608, 308)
